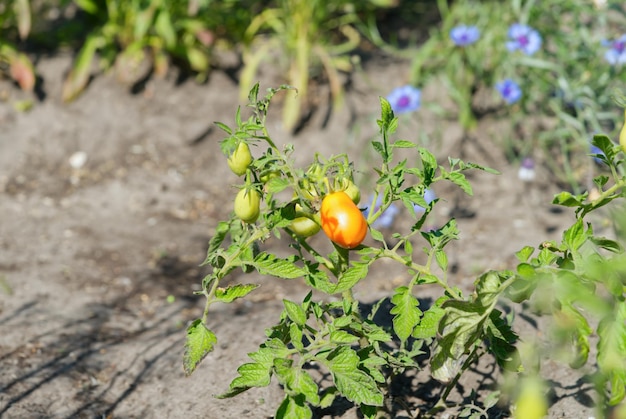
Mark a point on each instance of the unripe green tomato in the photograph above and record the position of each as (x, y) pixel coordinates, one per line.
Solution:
(240, 159)
(304, 227)
(248, 205)
(266, 176)
(531, 403)
(353, 192)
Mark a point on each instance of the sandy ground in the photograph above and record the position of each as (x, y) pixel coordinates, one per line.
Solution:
(89, 256)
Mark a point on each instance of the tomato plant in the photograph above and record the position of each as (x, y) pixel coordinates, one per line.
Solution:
(361, 358)
(342, 221)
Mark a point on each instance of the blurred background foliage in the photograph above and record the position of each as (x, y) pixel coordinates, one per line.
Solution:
(567, 86)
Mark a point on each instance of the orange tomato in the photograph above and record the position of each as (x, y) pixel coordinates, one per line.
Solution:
(342, 221)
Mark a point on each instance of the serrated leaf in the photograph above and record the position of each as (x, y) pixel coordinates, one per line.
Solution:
(406, 312)
(276, 184)
(386, 113)
(268, 264)
(525, 253)
(342, 337)
(566, 199)
(353, 383)
(608, 244)
(460, 180)
(252, 374)
(350, 277)
(575, 236)
(200, 341)
(296, 380)
(295, 312)
(502, 341)
(232, 292)
(429, 324)
(404, 144)
(460, 328)
(377, 235)
(442, 259)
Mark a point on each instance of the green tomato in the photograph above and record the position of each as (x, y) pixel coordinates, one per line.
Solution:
(240, 159)
(248, 205)
(304, 227)
(353, 192)
(268, 175)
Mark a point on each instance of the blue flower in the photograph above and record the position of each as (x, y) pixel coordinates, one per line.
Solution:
(526, 171)
(386, 218)
(616, 54)
(405, 99)
(509, 90)
(429, 196)
(464, 35)
(596, 150)
(524, 38)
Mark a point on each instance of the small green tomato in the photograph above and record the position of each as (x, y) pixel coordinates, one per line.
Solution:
(248, 205)
(353, 192)
(240, 159)
(304, 227)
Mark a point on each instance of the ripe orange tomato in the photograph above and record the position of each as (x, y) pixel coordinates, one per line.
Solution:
(342, 221)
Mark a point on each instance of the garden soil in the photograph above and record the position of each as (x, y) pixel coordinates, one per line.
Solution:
(106, 207)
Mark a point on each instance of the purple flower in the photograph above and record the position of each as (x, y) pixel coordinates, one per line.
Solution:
(527, 170)
(509, 90)
(596, 150)
(616, 54)
(386, 218)
(429, 196)
(464, 35)
(524, 38)
(405, 99)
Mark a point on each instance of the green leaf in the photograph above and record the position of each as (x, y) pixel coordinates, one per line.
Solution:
(200, 341)
(575, 236)
(350, 277)
(406, 312)
(524, 254)
(460, 328)
(429, 163)
(353, 383)
(294, 407)
(404, 144)
(296, 380)
(232, 292)
(295, 312)
(608, 244)
(164, 28)
(429, 324)
(276, 184)
(386, 114)
(460, 180)
(442, 259)
(566, 199)
(268, 264)
(252, 374)
(342, 337)
(502, 341)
